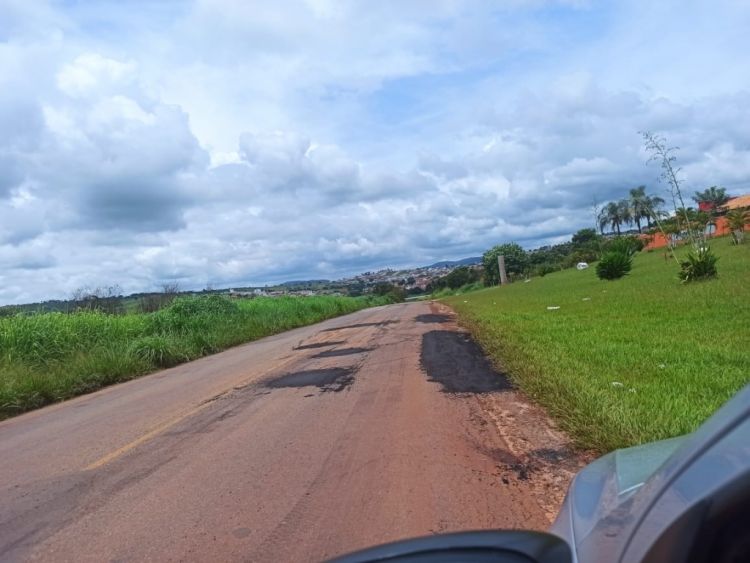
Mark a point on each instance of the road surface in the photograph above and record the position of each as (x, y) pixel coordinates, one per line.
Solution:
(363, 429)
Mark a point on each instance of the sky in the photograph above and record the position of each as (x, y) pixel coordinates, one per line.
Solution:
(227, 143)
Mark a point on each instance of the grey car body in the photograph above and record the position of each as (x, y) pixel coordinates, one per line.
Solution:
(683, 499)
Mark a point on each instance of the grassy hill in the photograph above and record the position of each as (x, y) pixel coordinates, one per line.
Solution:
(627, 361)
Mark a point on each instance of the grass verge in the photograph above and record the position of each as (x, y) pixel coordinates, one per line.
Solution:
(622, 362)
(50, 357)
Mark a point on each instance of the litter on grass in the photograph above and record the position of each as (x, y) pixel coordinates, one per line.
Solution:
(553, 308)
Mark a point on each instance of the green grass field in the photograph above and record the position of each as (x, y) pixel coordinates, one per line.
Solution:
(50, 357)
(627, 361)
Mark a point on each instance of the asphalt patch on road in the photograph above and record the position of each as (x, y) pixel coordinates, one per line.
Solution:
(433, 318)
(455, 361)
(361, 325)
(320, 345)
(327, 380)
(341, 352)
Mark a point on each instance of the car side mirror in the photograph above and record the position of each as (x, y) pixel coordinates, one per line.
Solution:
(505, 546)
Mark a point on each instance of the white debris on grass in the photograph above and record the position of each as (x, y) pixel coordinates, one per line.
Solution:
(582, 265)
(553, 308)
(586, 299)
(617, 384)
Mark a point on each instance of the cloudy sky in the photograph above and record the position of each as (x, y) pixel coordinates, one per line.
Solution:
(236, 142)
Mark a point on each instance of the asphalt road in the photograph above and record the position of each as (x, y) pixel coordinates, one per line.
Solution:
(356, 431)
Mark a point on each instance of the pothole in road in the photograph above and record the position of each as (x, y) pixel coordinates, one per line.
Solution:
(434, 318)
(341, 352)
(455, 361)
(329, 379)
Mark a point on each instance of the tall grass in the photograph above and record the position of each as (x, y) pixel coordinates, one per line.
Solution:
(627, 361)
(50, 357)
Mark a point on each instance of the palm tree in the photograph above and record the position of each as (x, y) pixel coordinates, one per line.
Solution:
(736, 220)
(625, 213)
(614, 214)
(638, 205)
(643, 206)
(653, 204)
(603, 218)
(714, 196)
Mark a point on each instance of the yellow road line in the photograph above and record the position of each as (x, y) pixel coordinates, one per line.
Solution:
(147, 436)
(169, 424)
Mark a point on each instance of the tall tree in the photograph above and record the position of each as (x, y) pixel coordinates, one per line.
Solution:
(624, 212)
(639, 205)
(516, 262)
(615, 214)
(584, 236)
(715, 196)
(653, 208)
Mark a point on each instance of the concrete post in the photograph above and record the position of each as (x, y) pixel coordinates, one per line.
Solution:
(501, 267)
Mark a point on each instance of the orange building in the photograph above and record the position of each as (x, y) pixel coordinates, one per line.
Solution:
(657, 240)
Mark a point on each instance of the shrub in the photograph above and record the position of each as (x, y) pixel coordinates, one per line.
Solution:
(544, 269)
(624, 245)
(700, 265)
(158, 351)
(392, 293)
(613, 265)
(461, 276)
(189, 314)
(737, 219)
(469, 287)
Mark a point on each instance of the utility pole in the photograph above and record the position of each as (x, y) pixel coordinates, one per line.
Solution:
(501, 268)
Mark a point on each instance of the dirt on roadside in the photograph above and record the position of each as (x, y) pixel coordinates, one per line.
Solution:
(536, 455)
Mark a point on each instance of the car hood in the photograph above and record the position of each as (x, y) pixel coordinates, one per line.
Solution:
(604, 485)
(645, 489)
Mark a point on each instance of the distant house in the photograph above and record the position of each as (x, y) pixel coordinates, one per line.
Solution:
(736, 203)
(719, 228)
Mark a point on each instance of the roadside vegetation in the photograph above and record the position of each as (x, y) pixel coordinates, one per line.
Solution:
(642, 346)
(49, 357)
(622, 362)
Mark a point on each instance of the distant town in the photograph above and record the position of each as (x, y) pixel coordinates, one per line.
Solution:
(413, 281)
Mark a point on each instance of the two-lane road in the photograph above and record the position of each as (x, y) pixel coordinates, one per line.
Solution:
(356, 431)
